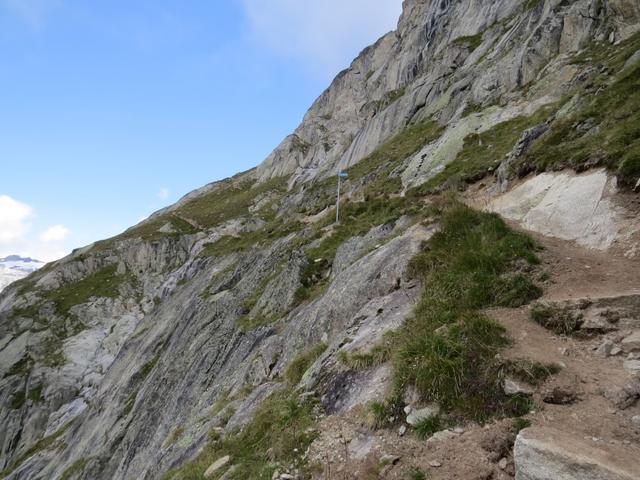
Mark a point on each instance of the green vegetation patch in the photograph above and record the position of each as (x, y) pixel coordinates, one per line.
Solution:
(280, 432)
(605, 132)
(482, 153)
(357, 218)
(447, 350)
(103, 283)
(376, 172)
(228, 201)
(558, 319)
(533, 373)
(470, 41)
(299, 365)
(75, 470)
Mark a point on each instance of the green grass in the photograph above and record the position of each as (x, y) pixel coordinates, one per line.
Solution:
(560, 320)
(482, 153)
(274, 230)
(103, 283)
(428, 426)
(75, 470)
(470, 41)
(378, 355)
(301, 363)
(35, 394)
(447, 350)
(520, 423)
(129, 403)
(387, 99)
(148, 367)
(374, 172)
(416, 474)
(230, 200)
(378, 414)
(18, 399)
(533, 373)
(281, 427)
(613, 108)
(357, 218)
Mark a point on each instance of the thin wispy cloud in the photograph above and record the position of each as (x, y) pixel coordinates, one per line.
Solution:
(325, 35)
(32, 12)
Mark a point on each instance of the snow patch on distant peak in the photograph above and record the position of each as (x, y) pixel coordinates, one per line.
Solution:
(15, 267)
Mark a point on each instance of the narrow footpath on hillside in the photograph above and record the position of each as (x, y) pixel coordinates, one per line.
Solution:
(589, 409)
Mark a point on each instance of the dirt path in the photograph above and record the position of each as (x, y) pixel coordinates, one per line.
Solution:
(346, 449)
(577, 272)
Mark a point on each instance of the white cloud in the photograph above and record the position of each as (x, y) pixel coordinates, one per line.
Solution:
(163, 194)
(14, 219)
(32, 12)
(57, 233)
(16, 236)
(325, 35)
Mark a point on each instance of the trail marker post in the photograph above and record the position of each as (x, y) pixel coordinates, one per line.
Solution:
(341, 175)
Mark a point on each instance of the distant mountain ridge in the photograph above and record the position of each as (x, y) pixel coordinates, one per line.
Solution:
(15, 267)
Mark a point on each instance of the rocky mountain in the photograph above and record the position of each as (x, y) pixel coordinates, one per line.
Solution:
(475, 313)
(15, 267)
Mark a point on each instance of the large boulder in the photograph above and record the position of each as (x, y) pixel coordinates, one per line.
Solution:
(543, 453)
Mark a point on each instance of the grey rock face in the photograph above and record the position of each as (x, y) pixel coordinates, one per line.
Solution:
(424, 68)
(543, 453)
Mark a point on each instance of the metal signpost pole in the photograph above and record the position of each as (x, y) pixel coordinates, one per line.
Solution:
(341, 175)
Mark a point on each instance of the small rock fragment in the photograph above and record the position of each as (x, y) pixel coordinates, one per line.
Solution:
(217, 465)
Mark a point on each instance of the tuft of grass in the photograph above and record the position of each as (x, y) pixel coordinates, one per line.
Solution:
(18, 399)
(75, 470)
(35, 394)
(299, 365)
(416, 473)
(470, 41)
(378, 414)
(280, 432)
(174, 436)
(428, 426)
(148, 367)
(520, 423)
(378, 355)
(533, 373)
(560, 320)
(129, 403)
(447, 350)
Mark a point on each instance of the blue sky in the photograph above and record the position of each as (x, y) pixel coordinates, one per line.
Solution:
(112, 109)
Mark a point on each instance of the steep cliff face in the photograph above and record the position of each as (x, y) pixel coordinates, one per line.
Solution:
(154, 352)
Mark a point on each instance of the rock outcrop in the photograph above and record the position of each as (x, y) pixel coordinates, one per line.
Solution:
(541, 454)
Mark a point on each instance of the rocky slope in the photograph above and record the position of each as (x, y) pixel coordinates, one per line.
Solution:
(241, 333)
